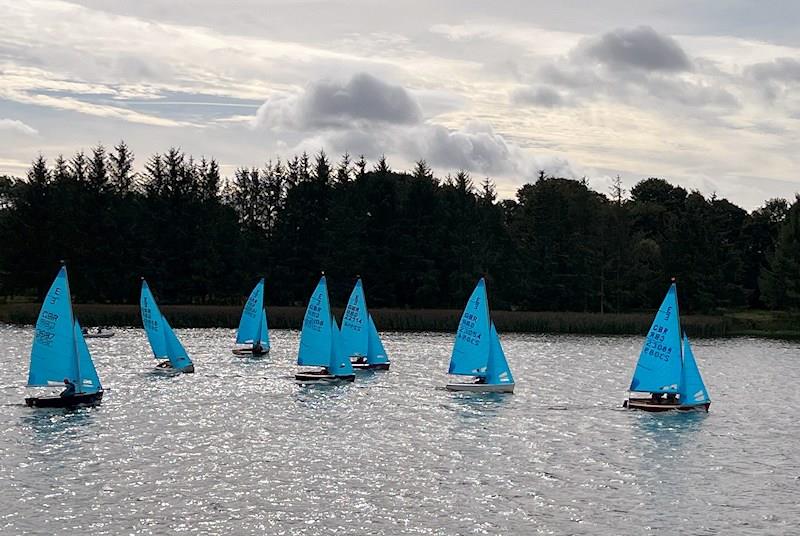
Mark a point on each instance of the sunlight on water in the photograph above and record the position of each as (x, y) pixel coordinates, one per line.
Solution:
(238, 448)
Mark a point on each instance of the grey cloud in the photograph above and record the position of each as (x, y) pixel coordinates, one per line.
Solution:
(538, 96)
(364, 98)
(779, 70)
(637, 48)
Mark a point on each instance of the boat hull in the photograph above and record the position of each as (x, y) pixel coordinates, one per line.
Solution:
(481, 387)
(371, 366)
(98, 335)
(167, 367)
(82, 399)
(316, 377)
(646, 404)
(248, 352)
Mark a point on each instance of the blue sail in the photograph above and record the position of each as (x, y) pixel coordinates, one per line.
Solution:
(88, 382)
(176, 353)
(355, 324)
(163, 341)
(253, 324)
(376, 354)
(471, 349)
(497, 370)
(659, 367)
(53, 354)
(692, 389)
(339, 364)
(316, 338)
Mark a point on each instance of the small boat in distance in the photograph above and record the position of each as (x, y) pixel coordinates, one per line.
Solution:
(666, 368)
(253, 328)
(477, 350)
(59, 355)
(360, 338)
(163, 341)
(97, 333)
(320, 343)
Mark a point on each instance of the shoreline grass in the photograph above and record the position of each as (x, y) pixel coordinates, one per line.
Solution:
(745, 323)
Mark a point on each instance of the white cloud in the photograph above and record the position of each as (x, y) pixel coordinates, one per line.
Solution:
(17, 126)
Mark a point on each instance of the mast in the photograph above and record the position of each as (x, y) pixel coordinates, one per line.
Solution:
(75, 354)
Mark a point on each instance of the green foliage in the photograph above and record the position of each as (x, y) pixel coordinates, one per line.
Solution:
(418, 242)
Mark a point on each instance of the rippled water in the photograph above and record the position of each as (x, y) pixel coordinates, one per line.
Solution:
(238, 448)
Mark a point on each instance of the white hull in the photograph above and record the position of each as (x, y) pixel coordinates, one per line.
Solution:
(104, 335)
(481, 387)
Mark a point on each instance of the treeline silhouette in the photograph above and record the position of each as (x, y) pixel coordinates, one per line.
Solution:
(417, 240)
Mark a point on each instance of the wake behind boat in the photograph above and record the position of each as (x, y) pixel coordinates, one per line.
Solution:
(59, 355)
(666, 368)
(253, 329)
(477, 351)
(320, 343)
(163, 341)
(360, 338)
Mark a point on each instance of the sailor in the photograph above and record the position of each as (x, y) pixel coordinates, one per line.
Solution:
(164, 364)
(481, 379)
(257, 348)
(70, 389)
(360, 360)
(671, 398)
(655, 398)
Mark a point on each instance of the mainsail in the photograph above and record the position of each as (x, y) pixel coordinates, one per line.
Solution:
(59, 350)
(472, 346)
(253, 324)
(316, 338)
(355, 324)
(659, 367)
(162, 338)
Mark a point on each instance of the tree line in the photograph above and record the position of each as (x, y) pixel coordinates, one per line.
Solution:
(417, 240)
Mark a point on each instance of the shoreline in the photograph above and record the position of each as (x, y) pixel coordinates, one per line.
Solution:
(769, 324)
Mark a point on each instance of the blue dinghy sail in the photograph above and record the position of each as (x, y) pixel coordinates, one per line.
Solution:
(321, 343)
(477, 350)
(253, 328)
(360, 337)
(666, 365)
(59, 355)
(163, 341)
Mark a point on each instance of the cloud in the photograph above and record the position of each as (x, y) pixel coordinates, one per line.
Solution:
(637, 48)
(538, 96)
(328, 103)
(17, 126)
(774, 78)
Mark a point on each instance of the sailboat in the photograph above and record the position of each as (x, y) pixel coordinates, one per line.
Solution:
(253, 328)
(163, 341)
(321, 342)
(477, 351)
(59, 354)
(666, 366)
(360, 338)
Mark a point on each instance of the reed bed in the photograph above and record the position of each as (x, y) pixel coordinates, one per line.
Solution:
(446, 320)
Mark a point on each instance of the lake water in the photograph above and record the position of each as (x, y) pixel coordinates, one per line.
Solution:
(238, 448)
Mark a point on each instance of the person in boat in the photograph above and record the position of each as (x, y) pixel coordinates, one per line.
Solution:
(655, 398)
(672, 398)
(480, 380)
(164, 364)
(360, 360)
(258, 349)
(69, 390)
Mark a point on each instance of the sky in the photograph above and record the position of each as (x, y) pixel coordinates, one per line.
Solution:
(703, 94)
